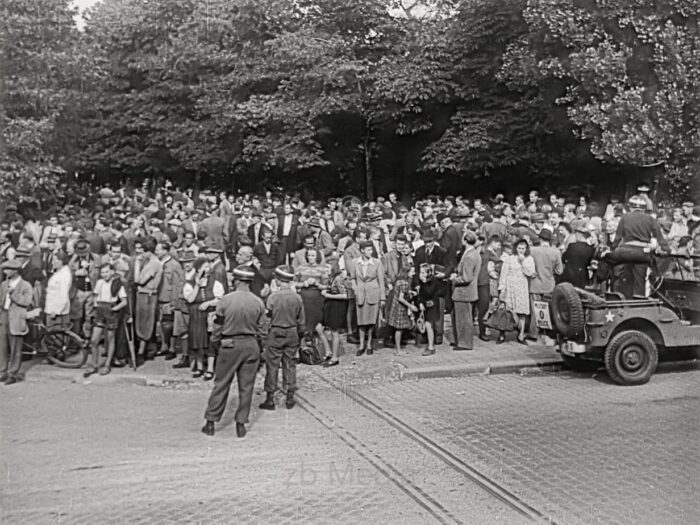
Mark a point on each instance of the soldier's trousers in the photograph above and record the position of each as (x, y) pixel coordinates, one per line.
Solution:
(238, 357)
(282, 346)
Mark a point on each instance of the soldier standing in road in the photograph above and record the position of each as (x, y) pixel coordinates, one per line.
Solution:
(238, 331)
(286, 326)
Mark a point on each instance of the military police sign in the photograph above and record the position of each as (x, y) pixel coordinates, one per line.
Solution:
(542, 316)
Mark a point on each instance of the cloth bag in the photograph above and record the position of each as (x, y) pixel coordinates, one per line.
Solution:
(501, 319)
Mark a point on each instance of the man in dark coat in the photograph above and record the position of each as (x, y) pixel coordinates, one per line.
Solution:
(432, 253)
(266, 252)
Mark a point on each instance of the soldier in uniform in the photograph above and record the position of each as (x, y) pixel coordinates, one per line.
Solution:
(636, 231)
(238, 332)
(287, 323)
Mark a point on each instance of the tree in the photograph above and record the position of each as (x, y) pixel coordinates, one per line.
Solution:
(627, 73)
(37, 75)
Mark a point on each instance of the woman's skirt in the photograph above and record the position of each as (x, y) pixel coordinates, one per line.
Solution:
(198, 334)
(367, 314)
(335, 314)
(312, 300)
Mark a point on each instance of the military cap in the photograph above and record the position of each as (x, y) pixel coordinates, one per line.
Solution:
(284, 273)
(243, 272)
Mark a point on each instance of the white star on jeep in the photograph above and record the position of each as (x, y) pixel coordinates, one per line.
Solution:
(610, 317)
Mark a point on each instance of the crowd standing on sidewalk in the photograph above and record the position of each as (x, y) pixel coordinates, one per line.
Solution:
(152, 267)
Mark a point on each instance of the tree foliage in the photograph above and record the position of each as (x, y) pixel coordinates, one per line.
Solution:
(343, 95)
(36, 44)
(627, 72)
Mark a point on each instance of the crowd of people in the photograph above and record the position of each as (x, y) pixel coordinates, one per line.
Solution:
(148, 267)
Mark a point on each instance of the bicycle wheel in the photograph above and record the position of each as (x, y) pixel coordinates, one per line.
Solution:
(65, 348)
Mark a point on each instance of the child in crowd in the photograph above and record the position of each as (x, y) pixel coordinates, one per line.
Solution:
(110, 298)
(430, 290)
(399, 317)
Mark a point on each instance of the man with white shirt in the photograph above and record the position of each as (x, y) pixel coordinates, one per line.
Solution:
(287, 225)
(57, 301)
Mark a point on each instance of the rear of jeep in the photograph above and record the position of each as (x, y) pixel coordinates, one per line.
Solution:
(623, 335)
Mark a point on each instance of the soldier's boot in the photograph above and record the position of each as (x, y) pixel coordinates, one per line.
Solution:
(240, 430)
(208, 428)
(290, 400)
(269, 403)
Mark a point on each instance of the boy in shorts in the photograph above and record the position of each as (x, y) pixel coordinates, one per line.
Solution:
(110, 298)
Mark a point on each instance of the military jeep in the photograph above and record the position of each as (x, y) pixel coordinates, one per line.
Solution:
(626, 335)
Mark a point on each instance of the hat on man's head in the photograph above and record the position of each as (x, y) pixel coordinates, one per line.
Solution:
(537, 217)
(82, 247)
(12, 264)
(441, 216)
(243, 272)
(212, 248)
(284, 273)
(637, 202)
(314, 222)
(187, 256)
(644, 188)
(688, 204)
(582, 227)
(428, 234)
(545, 234)
(175, 222)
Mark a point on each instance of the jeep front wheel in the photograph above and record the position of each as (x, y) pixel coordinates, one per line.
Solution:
(631, 358)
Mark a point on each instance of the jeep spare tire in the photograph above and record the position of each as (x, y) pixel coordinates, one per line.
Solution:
(567, 310)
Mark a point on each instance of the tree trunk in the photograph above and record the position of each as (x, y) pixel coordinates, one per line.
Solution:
(197, 184)
(369, 176)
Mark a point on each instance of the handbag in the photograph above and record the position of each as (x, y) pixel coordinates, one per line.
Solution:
(309, 353)
(420, 322)
(501, 319)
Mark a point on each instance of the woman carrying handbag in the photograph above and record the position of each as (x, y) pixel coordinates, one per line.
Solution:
(514, 286)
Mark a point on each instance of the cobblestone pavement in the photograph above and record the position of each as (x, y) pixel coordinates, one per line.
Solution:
(118, 453)
(577, 449)
(580, 450)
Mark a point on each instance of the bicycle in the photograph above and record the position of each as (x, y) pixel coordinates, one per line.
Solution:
(63, 347)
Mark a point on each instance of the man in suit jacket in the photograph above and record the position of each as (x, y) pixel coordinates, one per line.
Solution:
(287, 225)
(464, 293)
(432, 253)
(266, 252)
(16, 297)
(255, 230)
(217, 233)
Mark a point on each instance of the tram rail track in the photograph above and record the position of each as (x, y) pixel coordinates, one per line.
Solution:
(428, 502)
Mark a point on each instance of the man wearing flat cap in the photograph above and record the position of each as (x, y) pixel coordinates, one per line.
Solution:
(16, 297)
(85, 267)
(239, 330)
(287, 323)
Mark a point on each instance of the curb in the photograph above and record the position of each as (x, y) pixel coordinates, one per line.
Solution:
(138, 379)
(553, 364)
